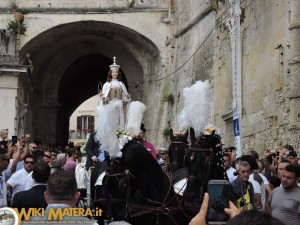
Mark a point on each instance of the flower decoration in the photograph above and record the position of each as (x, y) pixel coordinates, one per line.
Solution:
(209, 129)
(122, 133)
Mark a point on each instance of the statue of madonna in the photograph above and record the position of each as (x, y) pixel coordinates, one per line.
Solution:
(113, 90)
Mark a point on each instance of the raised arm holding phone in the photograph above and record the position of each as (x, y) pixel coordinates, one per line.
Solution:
(236, 217)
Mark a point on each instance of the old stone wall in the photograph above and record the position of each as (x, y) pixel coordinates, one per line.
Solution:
(188, 62)
(203, 52)
(193, 44)
(85, 4)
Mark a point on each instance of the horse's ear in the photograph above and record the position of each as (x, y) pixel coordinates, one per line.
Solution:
(171, 134)
(213, 133)
(192, 136)
(186, 135)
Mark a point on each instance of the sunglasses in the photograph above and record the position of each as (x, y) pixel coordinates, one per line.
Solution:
(27, 162)
(34, 147)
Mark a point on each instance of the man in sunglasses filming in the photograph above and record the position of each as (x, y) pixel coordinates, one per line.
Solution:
(17, 181)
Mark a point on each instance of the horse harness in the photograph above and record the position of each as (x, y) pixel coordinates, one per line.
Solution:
(135, 210)
(208, 155)
(158, 208)
(123, 179)
(176, 148)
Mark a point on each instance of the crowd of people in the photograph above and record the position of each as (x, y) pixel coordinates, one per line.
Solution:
(265, 189)
(268, 183)
(18, 161)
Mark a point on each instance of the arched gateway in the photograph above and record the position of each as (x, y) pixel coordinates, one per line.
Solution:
(72, 55)
(72, 60)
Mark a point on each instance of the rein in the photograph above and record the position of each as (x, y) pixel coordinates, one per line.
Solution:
(158, 208)
(126, 172)
(119, 177)
(178, 142)
(208, 155)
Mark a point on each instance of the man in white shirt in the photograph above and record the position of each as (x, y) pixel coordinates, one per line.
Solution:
(17, 181)
(39, 155)
(229, 169)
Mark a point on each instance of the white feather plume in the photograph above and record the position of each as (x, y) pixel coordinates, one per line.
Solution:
(134, 117)
(196, 107)
(183, 123)
(107, 125)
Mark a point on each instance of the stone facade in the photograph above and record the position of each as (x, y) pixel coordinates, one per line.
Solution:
(95, 4)
(164, 46)
(266, 72)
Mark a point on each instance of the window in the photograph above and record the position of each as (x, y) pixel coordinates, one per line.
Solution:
(85, 124)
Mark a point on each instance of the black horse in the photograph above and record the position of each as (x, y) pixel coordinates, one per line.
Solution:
(155, 201)
(117, 188)
(148, 197)
(177, 149)
(204, 162)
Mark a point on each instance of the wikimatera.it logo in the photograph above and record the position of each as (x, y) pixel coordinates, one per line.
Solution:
(8, 216)
(53, 214)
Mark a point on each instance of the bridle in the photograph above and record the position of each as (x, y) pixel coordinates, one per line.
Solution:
(123, 179)
(207, 156)
(134, 209)
(185, 147)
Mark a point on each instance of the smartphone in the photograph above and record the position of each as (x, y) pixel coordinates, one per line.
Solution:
(14, 139)
(219, 195)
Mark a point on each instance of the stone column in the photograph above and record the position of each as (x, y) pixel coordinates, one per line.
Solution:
(44, 121)
(293, 131)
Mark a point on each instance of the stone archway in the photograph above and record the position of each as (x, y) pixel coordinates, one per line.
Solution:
(70, 60)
